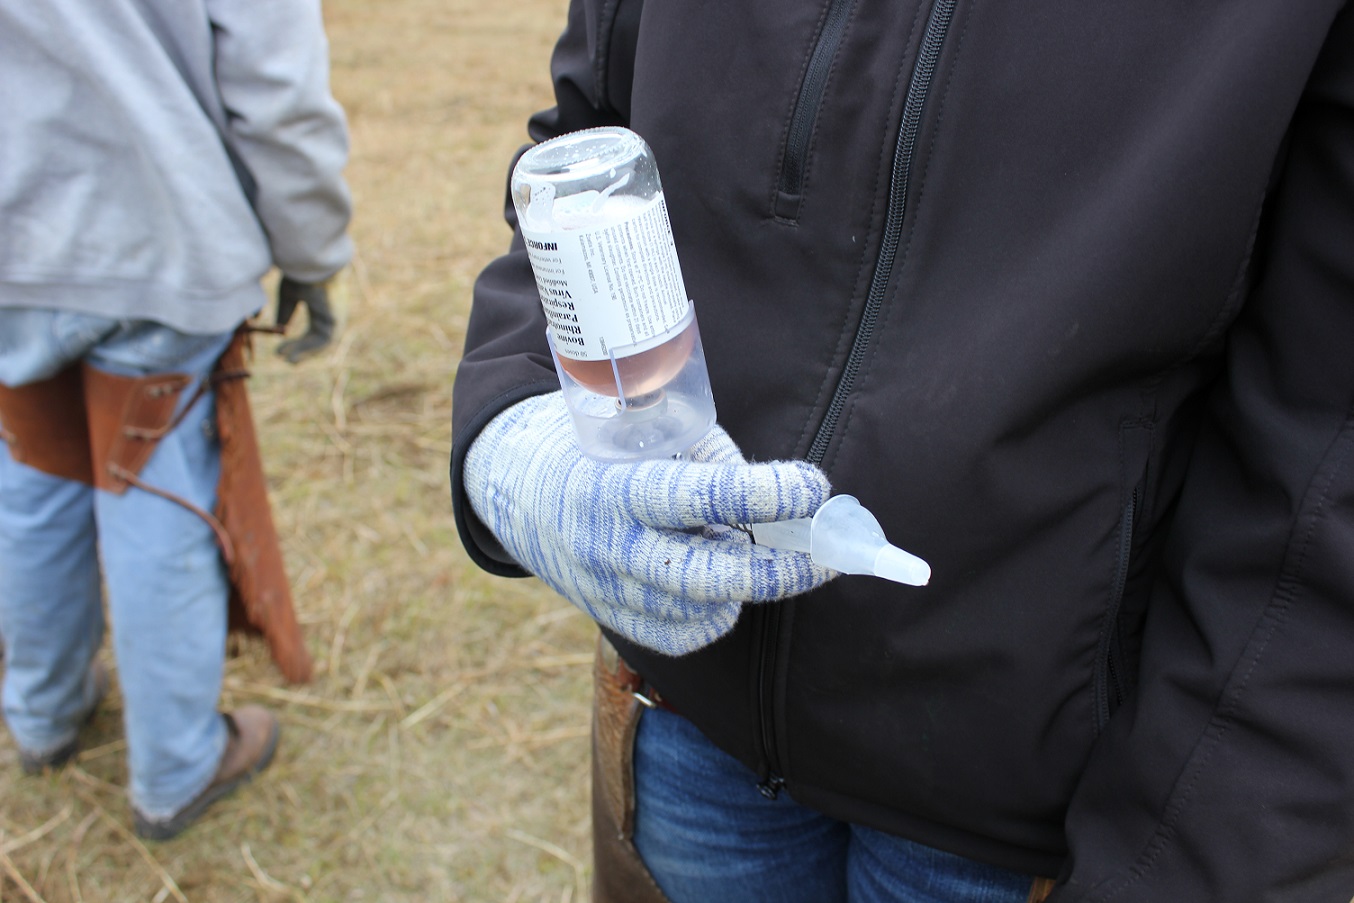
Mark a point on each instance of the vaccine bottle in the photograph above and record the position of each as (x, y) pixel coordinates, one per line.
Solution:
(620, 325)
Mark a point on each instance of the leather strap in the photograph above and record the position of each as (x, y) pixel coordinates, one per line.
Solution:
(128, 416)
(618, 874)
(639, 688)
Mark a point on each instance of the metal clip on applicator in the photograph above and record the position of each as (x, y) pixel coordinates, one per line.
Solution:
(844, 537)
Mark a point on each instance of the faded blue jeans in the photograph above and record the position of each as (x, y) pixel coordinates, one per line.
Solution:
(709, 836)
(165, 580)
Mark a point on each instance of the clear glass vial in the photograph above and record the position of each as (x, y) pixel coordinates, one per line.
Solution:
(620, 325)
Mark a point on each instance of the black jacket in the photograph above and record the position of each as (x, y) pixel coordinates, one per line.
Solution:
(1064, 293)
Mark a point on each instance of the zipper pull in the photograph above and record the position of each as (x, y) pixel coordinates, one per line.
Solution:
(770, 788)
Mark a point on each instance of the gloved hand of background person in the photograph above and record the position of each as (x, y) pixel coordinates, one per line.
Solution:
(625, 541)
(320, 330)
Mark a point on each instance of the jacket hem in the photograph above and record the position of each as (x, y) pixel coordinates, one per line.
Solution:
(1041, 861)
(177, 309)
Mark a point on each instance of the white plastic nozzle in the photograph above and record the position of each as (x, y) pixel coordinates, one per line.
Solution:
(845, 537)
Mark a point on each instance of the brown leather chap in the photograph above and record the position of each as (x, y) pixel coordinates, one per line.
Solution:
(44, 425)
(100, 429)
(260, 591)
(127, 417)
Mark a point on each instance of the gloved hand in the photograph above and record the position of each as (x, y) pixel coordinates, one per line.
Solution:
(320, 330)
(644, 547)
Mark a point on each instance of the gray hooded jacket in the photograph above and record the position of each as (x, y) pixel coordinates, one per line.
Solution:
(157, 158)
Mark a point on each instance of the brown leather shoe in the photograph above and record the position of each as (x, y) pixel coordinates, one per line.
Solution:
(253, 739)
(34, 764)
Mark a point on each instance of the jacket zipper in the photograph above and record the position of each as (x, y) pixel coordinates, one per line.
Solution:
(918, 89)
(899, 182)
(1108, 685)
(795, 158)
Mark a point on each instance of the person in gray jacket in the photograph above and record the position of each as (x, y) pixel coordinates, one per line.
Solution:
(156, 160)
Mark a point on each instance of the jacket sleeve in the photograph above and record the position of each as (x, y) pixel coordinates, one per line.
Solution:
(1230, 775)
(506, 358)
(286, 132)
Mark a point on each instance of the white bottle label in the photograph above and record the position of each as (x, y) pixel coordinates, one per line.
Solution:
(614, 286)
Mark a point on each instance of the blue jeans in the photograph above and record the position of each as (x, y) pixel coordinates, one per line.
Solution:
(709, 836)
(165, 580)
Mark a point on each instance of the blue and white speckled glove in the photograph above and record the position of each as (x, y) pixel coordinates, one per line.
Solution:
(642, 547)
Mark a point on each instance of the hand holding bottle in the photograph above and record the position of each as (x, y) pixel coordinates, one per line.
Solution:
(628, 542)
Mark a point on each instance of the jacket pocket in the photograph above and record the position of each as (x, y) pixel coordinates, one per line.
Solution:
(614, 56)
(794, 161)
(1113, 678)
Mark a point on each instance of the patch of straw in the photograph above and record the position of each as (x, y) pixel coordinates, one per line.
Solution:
(40, 831)
(19, 881)
(554, 850)
(166, 880)
(266, 881)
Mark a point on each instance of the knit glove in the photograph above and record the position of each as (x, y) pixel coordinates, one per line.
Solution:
(645, 548)
(320, 329)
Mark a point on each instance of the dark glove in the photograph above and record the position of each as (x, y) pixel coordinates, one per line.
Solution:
(320, 330)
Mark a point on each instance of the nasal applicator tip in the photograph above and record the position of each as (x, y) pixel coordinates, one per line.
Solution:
(892, 563)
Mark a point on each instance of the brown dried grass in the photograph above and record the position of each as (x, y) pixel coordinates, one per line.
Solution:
(441, 751)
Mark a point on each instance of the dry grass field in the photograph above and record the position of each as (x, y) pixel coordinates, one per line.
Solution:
(441, 751)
